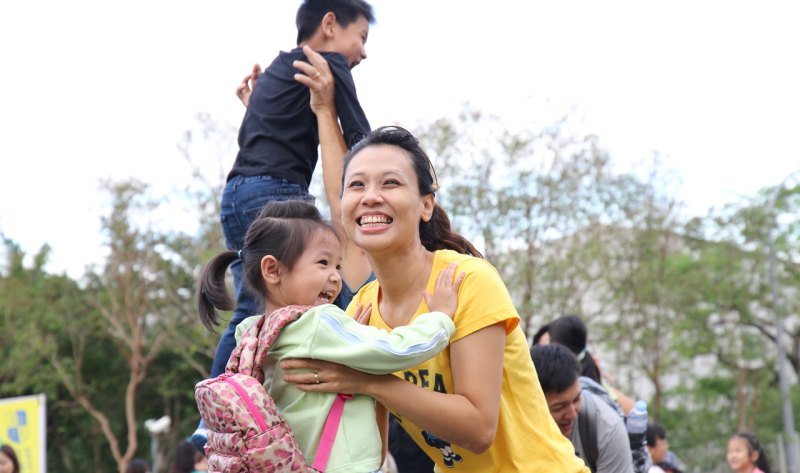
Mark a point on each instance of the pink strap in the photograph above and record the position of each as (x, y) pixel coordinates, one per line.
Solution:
(329, 431)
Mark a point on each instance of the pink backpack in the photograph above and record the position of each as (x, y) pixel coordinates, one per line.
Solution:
(246, 433)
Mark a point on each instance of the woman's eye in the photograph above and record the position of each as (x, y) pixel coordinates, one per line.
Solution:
(355, 184)
(391, 182)
(323, 262)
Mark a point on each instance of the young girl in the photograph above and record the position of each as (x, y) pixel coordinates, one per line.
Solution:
(478, 406)
(291, 257)
(745, 455)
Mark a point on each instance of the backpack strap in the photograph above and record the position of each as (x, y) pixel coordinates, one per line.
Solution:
(252, 349)
(587, 429)
(329, 431)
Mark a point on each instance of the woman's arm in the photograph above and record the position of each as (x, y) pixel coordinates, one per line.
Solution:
(318, 78)
(468, 417)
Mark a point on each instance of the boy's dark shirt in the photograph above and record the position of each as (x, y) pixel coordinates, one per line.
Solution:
(279, 134)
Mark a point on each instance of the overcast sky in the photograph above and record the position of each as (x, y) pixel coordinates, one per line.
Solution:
(105, 89)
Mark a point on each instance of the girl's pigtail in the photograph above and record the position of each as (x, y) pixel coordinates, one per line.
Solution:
(212, 292)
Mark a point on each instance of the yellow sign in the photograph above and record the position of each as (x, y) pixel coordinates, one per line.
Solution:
(23, 427)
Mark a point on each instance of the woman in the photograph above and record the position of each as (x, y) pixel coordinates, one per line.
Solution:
(450, 405)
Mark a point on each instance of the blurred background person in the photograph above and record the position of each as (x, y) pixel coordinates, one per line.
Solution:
(8, 460)
(745, 455)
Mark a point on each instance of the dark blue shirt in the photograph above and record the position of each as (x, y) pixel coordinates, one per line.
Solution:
(279, 134)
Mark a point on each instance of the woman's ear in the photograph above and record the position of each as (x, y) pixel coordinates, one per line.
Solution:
(270, 270)
(428, 204)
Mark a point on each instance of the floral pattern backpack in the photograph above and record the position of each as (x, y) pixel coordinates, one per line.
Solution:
(246, 433)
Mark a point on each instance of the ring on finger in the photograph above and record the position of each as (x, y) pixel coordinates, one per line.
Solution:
(316, 76)
(316, 376)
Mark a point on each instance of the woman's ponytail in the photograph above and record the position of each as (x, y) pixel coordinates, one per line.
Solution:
(436, 234)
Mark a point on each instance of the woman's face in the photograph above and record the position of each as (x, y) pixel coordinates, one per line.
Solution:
(6, 465)
(381, 204)
(739, 456)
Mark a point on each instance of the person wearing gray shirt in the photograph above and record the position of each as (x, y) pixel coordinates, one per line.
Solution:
(596, 430)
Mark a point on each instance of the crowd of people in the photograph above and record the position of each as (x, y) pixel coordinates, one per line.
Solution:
(399, 312)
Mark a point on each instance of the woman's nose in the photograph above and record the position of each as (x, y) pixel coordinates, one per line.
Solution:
(371, 195)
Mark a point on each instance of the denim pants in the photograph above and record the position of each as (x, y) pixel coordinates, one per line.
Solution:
(242, 200)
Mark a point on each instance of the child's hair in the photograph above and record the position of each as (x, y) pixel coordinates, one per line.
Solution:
(283, 230)
(435, 234)
(570, 331)
(12, 455)
(310, 14)
(753, 445)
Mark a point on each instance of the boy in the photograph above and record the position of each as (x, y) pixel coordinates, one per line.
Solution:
(278, 138)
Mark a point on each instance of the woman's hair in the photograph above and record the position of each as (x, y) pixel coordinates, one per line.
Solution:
(436, 233)
(283, 230)
(137, 465)
(12, 455)
(753, 445)
(570, 331)
(543, 330)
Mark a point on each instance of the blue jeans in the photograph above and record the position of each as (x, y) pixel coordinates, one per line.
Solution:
(242, 201)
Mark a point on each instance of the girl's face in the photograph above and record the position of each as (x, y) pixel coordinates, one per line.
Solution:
(6, 465)
(381, 203)
(740, 458)
(315, 278)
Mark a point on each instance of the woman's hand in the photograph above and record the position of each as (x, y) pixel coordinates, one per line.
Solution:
(318, 78)
(245, 89)
(326, 377)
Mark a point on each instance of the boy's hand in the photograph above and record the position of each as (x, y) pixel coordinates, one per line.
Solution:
(362, 313)
(445, 291)
(245, 89)
(318, 78)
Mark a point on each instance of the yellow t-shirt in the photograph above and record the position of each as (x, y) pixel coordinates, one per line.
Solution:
(527, 438)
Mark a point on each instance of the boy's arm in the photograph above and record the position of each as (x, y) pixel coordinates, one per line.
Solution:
(351, 116)
(245, 89)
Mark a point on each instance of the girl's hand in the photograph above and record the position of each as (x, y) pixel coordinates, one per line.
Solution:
(445, 293)
(317, 76)
(245, 89)
(326, 377)
(362, 313)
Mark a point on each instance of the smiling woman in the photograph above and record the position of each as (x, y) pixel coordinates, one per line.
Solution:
(451, 404)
